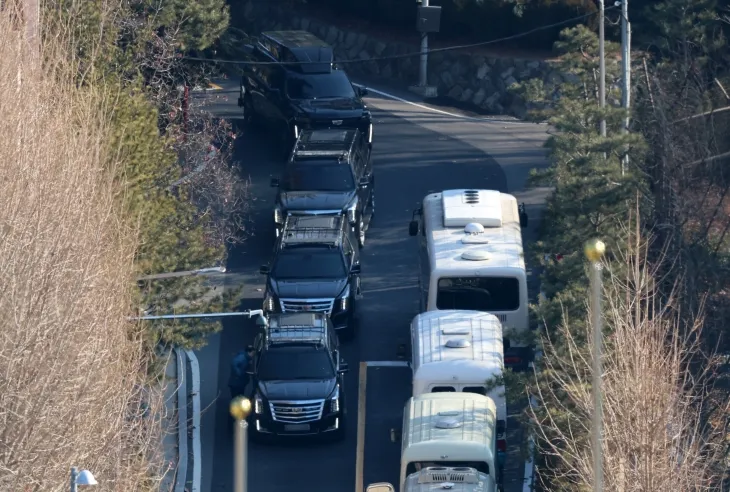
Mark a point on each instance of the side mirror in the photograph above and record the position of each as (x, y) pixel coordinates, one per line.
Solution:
(261, 321)
(413, 228)
(274, 182)
(364, 182)
(265, 270)
(380, 487)
(344, 367)
(524, 219)
(363, 92)
(506, 344)
(355, 268)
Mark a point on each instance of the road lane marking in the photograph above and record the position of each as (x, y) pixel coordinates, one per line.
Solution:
(446, 113)
(387, 363)
(361, 406)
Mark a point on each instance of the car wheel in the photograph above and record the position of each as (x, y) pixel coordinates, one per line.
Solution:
(340, 434)
(372, 202)
(361, 231)
(249, 113)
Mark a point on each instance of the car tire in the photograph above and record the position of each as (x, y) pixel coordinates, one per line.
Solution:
(360, 231)
(340, 434)
(249, 113)
(372, 203)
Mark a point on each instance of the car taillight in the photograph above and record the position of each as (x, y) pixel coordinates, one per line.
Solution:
(502, 445)
(512, 360)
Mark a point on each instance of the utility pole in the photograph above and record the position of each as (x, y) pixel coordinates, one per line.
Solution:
(428, 19)
(602, 64)
(423, 69)
(626, 68)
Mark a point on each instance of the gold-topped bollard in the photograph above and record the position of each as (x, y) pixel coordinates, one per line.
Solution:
(594, 251)
(240, 409)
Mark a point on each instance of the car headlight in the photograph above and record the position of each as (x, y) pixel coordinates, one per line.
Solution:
(335, 400)
(345, 299)
(370, 133)
(352, 212)
(278, 215)
(296, 131)
(269, 303)
(258, 404)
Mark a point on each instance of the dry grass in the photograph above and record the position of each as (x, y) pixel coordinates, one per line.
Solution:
(71, 370)
(654, 439)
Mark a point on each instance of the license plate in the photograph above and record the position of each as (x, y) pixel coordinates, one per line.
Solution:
(296, 427)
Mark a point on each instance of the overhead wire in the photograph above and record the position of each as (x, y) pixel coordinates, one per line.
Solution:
(406, 55)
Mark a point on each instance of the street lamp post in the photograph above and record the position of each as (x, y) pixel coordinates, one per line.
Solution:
(594, 250)
(240, 409)
(186, 273)
(83, 478)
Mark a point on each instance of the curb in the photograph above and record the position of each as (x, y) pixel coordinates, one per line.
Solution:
(188, 424)
(182, 422)
(194, 423)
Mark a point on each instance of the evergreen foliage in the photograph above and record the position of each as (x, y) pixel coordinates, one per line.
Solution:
(592, 195)
(130, 51)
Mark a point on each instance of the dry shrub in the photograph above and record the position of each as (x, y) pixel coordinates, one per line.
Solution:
(653, 391)
(73, 388)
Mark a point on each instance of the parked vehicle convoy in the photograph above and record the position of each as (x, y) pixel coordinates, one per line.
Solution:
(471, 258)
(298, 378)
(452, 430)
(460, 352)
(301, 87)
(315, 268)
(329, 173)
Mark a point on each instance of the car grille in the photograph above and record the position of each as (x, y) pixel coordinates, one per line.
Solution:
(307, 305)
(346, 123)
(297, 412)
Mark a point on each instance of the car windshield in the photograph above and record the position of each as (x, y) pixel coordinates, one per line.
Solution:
(309, 264)
(319, 176)
(294, 362)
(334, 84)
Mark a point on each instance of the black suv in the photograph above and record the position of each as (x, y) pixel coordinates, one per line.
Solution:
(306, 91)
(298, 378)
(315, 268)
(328, 173)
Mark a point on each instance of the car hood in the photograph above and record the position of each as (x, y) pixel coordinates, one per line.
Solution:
(315, 200)
(339, 108)
(302, 289)
(297, 390)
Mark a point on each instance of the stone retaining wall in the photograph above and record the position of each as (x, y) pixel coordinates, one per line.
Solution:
(474, 79)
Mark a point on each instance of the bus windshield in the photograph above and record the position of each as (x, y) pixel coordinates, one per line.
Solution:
(478, 293)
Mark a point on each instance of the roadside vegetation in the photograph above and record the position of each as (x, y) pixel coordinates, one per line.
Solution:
(179, 185)
(74, 389)
(664, 218)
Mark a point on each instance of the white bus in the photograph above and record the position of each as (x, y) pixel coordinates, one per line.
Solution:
(449, 430)
(471, 258)
(460, 352)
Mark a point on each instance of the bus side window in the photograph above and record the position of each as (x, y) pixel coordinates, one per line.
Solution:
(443, 389)
(479, 390)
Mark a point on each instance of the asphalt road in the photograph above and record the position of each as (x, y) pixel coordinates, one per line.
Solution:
(416, 151)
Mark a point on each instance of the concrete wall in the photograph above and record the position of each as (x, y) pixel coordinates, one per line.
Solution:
(467, 78)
